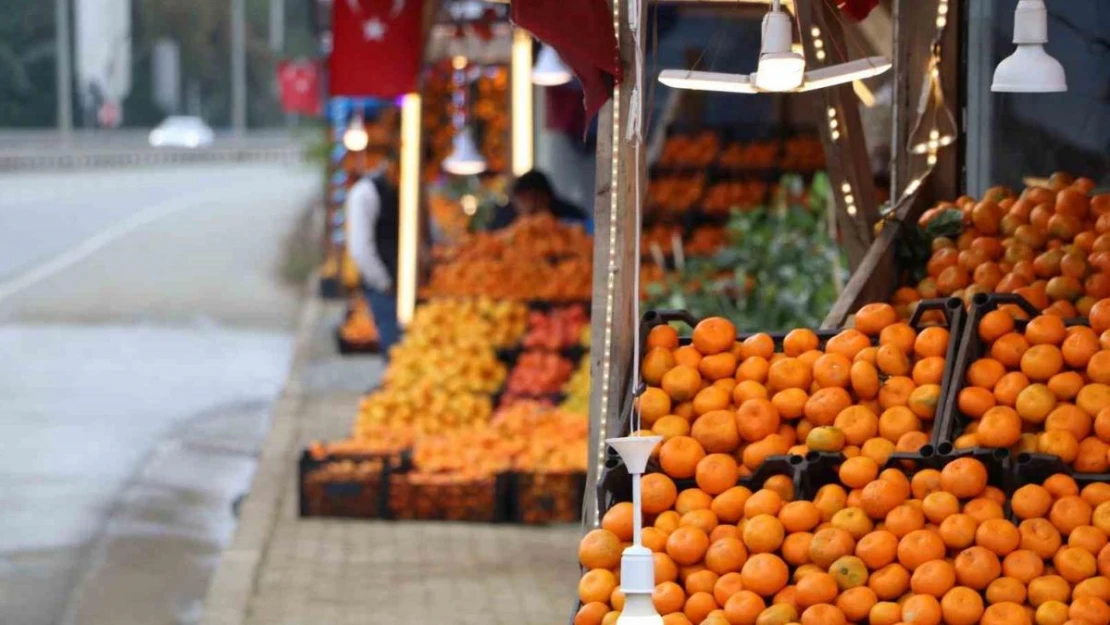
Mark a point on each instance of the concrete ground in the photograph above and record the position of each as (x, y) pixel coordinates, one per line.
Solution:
(144, 335)
(283, 570)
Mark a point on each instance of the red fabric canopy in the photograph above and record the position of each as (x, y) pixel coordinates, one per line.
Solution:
(581, 31)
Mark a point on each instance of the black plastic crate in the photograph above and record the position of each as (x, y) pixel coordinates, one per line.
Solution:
(973, 348)
(1036, 468)
(479, 500)
(542, 498)
(346, 347)
(360, 492)
(952, 308)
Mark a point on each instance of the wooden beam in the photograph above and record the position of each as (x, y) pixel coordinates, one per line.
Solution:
(836, 111)
(615, 264)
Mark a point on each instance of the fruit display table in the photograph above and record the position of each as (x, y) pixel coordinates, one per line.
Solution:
(481, 412)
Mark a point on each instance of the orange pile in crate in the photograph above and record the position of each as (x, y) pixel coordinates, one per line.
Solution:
(1049, 244)
(880, 548)
(359, 326)
(1044, 388)
(748, 400)
(721, 197)
(524, 437)
(690, 150)
(536, 258)
(675, 194)
(750, 155)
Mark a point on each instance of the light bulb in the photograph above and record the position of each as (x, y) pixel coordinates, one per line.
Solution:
(355, 137)
(639, 610)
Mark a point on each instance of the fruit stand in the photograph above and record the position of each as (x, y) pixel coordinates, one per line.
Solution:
(939, 452)
(481, 412)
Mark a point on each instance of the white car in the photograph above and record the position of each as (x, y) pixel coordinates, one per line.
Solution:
(181, 132)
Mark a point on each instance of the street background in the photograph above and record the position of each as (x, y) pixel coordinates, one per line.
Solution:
(145, 329)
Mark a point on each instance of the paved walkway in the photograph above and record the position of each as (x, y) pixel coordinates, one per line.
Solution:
(282, 570)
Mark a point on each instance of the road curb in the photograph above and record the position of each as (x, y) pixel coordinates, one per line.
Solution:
(233, 582)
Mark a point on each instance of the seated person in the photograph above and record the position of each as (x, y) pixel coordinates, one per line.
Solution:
(532, 194)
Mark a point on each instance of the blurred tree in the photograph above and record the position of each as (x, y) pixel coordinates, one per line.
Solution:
(201, 28)
(27, 63)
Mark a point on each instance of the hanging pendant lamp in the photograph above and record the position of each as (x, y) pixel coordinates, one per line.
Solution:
(1030, 69)
(780, 68)
(465, 159)
(550, 70)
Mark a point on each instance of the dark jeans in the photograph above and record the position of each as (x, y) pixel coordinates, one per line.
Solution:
(384, 308)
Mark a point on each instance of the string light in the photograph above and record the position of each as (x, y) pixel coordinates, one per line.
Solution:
(818, 43)
(849, 199)
(834, 124)
(610, 278)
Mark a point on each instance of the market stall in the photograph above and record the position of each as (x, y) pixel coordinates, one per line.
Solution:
(933, 453)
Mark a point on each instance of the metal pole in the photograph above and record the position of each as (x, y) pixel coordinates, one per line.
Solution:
(238, 67)
(63, 69)
(277, 26)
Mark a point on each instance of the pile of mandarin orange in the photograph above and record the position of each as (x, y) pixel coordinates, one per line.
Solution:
(1049, 243)
(745, 401)
(1042, 388)
(882, 546)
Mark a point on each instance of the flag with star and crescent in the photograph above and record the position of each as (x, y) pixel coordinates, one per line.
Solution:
(376, 46)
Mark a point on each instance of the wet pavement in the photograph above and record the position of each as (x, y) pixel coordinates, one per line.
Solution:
(144, 335)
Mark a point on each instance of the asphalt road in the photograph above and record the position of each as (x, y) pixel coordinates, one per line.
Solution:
(144, 333)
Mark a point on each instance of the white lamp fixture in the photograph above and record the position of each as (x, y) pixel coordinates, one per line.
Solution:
(550, 70)
(465, 159)
(637, 564)
(780, 69)
(355, 137)
(1030, 69)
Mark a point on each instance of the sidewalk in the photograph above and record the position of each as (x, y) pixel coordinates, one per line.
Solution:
(282, 570)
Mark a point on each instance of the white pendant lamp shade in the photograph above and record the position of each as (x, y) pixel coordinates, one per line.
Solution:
(1030, 69)
(465, 159)
(355, 137)
(780, 69)
(637, 562)
(550, 70)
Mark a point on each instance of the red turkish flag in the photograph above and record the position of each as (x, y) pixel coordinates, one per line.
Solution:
(376, 47)
(581, 31)
(299, 85)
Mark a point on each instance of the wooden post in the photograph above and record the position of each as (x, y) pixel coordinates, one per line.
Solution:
(612, 326)
(837, 116)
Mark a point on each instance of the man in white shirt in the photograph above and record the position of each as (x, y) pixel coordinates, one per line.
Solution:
(373, 220)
